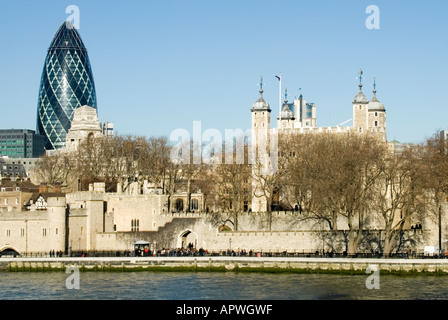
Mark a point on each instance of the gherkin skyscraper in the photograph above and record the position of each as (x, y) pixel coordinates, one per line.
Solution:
(66, 84)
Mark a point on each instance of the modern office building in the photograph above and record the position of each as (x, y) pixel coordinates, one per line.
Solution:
(66, 84)
(19, 143)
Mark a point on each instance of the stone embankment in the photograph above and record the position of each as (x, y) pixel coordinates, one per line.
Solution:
(235, 264)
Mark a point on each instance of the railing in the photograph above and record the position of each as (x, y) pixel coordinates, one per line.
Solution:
(193, 252)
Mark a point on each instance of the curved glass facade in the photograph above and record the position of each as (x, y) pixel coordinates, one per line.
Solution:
(66, 84)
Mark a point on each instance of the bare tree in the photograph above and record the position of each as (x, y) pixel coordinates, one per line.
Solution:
(397, 194)
(435, 169)
(55, 168)
(232, 187)
(331, 177)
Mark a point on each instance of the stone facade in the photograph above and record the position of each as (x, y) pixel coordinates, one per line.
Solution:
(84, 125)
(99, 221)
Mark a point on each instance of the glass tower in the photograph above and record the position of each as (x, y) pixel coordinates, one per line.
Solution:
(66, 84)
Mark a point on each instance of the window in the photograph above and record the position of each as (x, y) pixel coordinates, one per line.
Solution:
(135, 225)
(194, 204)
(8, 233)
(179, 205)
(376, 123)
(376, 114)
(44, 232)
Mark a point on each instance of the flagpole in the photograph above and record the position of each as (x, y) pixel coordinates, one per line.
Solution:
(280, 97)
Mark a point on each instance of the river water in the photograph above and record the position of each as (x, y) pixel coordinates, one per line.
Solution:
(216, 286)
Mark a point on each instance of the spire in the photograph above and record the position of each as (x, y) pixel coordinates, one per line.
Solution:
(261, 104)
(286, 113)
(374, 90)
(360, 80)
(360, 97)
(374, 104)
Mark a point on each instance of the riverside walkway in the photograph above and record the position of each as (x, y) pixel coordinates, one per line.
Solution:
(225, 263)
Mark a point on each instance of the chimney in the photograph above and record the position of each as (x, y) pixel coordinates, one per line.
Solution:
(43, 187)
(57, 188)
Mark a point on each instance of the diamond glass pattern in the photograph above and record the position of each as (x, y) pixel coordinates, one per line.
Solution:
(66, 84)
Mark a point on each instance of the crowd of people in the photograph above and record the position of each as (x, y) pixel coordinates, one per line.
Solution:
(189, 251)
(56, 253)
(178, 252)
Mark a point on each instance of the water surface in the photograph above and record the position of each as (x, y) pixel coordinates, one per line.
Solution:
(216, 286)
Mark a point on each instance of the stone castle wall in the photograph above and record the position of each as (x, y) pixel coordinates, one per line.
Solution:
(94, 225)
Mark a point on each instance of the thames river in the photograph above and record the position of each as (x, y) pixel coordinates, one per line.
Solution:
(217, 286)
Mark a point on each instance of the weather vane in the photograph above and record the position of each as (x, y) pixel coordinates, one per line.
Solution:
(360, 75)
(261, 84)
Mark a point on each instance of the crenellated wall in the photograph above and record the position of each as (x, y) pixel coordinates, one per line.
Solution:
(95, 221)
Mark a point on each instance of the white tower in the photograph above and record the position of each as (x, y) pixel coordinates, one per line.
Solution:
(261, 132)
(377, 116)
(261, 120)
(360, 109)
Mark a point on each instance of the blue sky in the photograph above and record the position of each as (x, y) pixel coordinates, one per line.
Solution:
(160, 65)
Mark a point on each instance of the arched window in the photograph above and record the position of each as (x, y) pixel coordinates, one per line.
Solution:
(376, 123)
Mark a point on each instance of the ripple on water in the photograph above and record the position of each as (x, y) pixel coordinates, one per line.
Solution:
(217, 286)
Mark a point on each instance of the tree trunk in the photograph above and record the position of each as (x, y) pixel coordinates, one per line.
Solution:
(352, 244)
(235, 221)
(388, 243)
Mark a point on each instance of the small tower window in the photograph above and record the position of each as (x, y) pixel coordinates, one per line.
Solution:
(376, 114)
(360, 107)
(376, 123)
